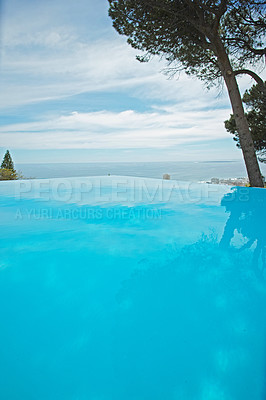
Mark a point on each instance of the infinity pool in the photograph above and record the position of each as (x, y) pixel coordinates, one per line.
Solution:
(116, 288)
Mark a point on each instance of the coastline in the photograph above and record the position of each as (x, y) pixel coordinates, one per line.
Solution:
(180, 170)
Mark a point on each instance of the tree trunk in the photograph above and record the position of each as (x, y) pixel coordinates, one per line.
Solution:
(245, 137)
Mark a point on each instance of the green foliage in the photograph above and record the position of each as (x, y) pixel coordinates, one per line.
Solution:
(214, 40)
(8, 175)
(188, 33)
(243, 29)
(7, 162)
(256, 117)
(7, 170)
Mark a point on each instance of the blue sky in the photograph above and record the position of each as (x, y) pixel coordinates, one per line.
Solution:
(72, 91)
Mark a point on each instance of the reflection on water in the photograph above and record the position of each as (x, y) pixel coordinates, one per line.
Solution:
(193, 328)
(196, 324)
(104, 303)
(247, 216)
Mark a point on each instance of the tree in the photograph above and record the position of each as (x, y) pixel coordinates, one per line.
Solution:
(7, 170)
(256, 117)
(7, 162)
(9, 175)
(212, 39)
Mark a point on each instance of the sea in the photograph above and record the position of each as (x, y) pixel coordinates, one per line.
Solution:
(178, 170)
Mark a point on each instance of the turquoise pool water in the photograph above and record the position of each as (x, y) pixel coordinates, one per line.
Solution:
(131, 289)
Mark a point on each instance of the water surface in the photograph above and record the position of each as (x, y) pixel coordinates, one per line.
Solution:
(131, 289)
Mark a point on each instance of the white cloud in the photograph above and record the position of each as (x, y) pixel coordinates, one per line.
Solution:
(124, 130)
(46, 59)
(53, 50)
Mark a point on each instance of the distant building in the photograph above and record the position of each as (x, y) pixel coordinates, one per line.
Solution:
(230, 181)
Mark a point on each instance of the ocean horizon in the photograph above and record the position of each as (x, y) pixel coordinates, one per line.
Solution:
(178, 170)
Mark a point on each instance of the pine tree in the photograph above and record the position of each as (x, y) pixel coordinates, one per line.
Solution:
(212, 39)
(7, 162)
(256, 117)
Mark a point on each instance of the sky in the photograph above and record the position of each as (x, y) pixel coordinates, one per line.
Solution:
(73, 91)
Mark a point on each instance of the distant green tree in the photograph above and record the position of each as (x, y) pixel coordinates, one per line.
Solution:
(8, 175)
(7, 170)
(7, 162)
(256, 116)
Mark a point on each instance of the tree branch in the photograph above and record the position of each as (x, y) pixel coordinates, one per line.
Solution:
(261, 84)
(253, 75)
(258, 52)
(221, 10)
